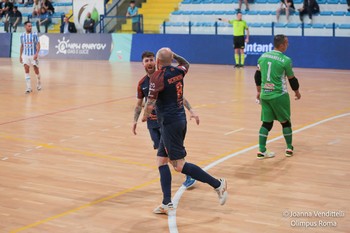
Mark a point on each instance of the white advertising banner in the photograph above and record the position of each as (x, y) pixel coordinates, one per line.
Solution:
(82, 7)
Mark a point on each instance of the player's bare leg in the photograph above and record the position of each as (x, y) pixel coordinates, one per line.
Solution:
(36, 70)
(27, 78)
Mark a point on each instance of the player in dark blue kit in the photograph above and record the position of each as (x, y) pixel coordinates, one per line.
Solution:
(153, 126)
(166, 96)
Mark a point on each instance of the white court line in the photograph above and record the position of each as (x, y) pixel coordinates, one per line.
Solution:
(234, 131)
(172, 216)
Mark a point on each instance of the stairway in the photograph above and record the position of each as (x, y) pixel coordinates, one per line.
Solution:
(154, 12)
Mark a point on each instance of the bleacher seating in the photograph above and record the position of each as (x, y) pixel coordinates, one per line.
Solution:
(61, 7)
(260, 17)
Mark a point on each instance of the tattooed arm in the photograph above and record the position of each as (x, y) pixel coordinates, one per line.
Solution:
(182, 61)
(137, 112)
(190, 109)
(149, 106)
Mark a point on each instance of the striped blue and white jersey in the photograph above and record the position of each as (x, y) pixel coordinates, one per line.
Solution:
(29, 42)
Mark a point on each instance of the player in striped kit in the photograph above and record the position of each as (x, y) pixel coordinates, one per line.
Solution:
(29, 51)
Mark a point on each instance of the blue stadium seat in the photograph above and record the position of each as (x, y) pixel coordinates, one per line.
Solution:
(300, 1)
(273, 1)
(329, 25)
(344, 26)
(230, 12)
(198, 12)
(339, 13)
(327, 13)
(176, 12)
(218, 1)
(261, 1)
(265, 12)
(266, 25)
(252, 13)
(318, 25)
(321, 1)
(332, 1)
(280, 25)
(208, 12)
(186, 2)
(293, 25)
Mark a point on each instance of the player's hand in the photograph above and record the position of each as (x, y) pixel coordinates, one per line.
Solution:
(257, 98)
(144, 118)
(297, 95)
(134, 128)
(35, 57)
(246, 40)
(195, 116)
(20, 60)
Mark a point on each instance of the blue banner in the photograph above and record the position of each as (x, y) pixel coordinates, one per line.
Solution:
(5, 45)
(306, 52)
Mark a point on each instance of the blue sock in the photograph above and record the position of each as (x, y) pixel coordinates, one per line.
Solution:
(198, 173)
(165, 182)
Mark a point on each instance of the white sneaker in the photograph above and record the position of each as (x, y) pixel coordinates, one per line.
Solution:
(266, 154)
(164, 209)
(29, 90)
(38, 87)
(222, 191)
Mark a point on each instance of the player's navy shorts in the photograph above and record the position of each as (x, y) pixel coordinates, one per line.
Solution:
(238, 42)
(172, 140)
(155, 136)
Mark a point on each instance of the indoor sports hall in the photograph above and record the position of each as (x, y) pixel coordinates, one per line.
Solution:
(69, 161)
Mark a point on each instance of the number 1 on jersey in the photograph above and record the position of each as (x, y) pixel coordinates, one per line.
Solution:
(269, 71)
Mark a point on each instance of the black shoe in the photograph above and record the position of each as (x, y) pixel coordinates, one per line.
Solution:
(237, 66)
(241, 66)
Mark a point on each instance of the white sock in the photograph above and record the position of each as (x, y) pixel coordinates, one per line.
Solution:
(27, 78)
(38, 77)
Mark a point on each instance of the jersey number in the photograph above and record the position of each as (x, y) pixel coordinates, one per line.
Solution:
(269, 71)
(179, 92)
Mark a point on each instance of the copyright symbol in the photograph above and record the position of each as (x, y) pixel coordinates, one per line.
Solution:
(286, 213)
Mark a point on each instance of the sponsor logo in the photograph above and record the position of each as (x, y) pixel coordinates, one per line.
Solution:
(66, 47)
(44, 45)
(257, 49)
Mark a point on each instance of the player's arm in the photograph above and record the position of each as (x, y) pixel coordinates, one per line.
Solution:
(182, 61)
(137, 112)
(190, 109)
(257, 78)
(37, 51)
(294, 84)
(149, 106)
(224, 20)
(247, 36)
(20, 53)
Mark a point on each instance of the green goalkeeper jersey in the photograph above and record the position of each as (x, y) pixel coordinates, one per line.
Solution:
(274, 67)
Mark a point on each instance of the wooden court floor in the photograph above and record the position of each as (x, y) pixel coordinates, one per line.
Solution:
(69, 162)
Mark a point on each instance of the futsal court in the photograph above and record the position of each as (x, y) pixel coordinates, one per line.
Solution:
(69, 162)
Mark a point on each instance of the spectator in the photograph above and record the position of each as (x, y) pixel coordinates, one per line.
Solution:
(240, 5)
(286, 6)
(67, 27)
(6, 8)
(13, 19)
(133, 12)
(28, 2)
(348, 5)
(48, 6)
(310, 7)
(45, 19)
(89, 24)
(36, 8)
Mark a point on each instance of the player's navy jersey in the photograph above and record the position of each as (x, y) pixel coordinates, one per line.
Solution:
(166, 86)
(142, 93)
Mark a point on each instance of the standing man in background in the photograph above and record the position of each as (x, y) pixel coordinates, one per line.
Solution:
(67, 27)
(239, 28)
(89, 24)
(271, 83)
(133, 12)
(29, 51)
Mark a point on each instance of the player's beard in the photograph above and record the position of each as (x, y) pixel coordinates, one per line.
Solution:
(150, 69)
